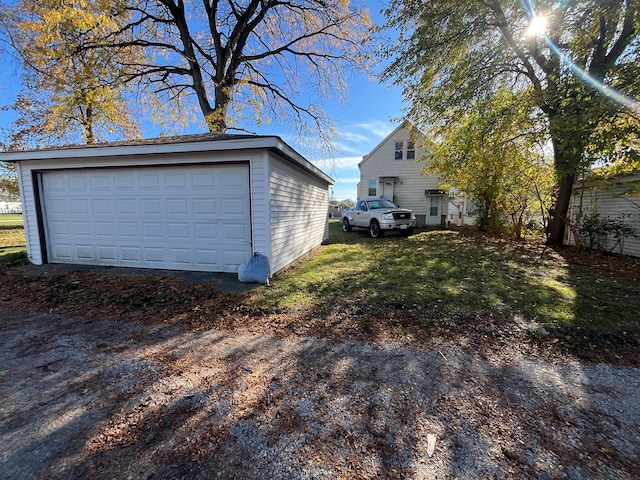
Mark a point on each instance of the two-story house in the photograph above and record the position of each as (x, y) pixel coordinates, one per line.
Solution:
(392, 171)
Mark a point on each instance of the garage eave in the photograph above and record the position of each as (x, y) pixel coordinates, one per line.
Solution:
(170, 145)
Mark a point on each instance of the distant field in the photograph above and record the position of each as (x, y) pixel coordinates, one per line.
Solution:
(12, 242)
(10, 221)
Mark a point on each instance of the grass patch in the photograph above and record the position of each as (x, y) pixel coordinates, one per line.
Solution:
(10, 221)
(12, 241)
(447, 276)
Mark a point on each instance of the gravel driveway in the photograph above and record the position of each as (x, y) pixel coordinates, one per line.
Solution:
(101, 399)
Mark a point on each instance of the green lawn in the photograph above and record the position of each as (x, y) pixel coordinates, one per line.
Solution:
(451, 277)
(12, 242)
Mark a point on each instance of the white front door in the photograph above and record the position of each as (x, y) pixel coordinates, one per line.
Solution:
(179, 218)
(433, 218)
(387, 191)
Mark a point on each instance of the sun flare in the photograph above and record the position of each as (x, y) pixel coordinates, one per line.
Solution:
(537, 26)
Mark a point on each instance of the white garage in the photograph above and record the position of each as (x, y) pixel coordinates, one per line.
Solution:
(201, 202)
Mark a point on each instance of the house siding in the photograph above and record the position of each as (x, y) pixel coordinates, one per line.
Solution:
(409, 191)
(613, 200)
(298, 204)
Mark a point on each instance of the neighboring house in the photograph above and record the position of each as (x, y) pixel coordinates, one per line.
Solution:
(462, 210)
(197, 202)
(9, 203)
(10, 207)
(611, 203)
(335, 210)
(392, 171)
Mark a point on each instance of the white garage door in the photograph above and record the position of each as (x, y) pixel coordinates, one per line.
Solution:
(179, 218)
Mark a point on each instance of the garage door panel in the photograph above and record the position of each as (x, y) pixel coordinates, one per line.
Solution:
(63, 251)
(177, 206)
(54, 184)
(102, 206)
(178, 217)
(85, 252)
(77, 184)
(107, 254)
(126, 206)
(60, 228)
(81, 228)
(124, 182)
(78, 206)
(100, 183)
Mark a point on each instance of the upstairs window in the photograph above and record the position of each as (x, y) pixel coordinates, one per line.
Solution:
(411, 151)
(373, 188)
(398, 155)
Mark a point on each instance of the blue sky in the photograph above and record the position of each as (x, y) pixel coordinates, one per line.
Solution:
(362, 121)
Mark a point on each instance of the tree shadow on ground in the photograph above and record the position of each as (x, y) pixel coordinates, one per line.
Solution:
(102, 399)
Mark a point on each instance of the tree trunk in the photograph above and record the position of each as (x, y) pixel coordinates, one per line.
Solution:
(88, 125)
(217, 118)
(568, 138)
(558, 222)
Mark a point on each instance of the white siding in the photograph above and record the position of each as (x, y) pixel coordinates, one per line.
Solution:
(409, 191)
(289, 196)
(613, 200)
(29, 216)
(260, 213)
(298, 204)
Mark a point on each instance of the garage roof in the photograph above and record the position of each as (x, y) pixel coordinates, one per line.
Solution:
(204, 142)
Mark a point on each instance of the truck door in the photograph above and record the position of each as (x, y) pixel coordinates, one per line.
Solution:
(362, 215)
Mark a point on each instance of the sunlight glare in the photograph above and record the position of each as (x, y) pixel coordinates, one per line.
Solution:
(537, 26)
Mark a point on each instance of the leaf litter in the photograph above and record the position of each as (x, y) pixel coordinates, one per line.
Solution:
(111, 377)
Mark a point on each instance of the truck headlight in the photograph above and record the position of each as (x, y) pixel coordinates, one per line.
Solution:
(387, 216)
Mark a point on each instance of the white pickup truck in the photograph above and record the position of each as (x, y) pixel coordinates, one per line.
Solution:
(378, 215)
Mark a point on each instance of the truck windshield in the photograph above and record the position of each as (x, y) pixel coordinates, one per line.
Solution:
(382, 203)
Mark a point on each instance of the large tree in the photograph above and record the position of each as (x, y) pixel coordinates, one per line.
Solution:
(244, 60)
(580, 60)
(493, 154)
(66, 97)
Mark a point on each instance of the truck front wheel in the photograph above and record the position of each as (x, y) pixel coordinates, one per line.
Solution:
(346, 226)
(374, 229)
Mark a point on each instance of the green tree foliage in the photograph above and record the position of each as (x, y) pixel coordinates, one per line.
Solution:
(451, 54)
(8, 179)
(66, 97)
(492, 154)
(240, 60)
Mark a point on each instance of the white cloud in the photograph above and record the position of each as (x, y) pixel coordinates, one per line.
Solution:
(346, 162)
(378, 129)
(348, 180)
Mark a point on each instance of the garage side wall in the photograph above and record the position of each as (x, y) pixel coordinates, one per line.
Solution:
(30, 216)
(299, 204)
(260, 214)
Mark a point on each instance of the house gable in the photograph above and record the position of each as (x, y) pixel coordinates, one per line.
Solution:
(393, 170)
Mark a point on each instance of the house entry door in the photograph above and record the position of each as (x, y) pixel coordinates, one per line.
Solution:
(434, 210)
(387, 191)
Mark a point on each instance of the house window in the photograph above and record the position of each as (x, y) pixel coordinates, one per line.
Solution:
(373, 188)
(411, 151)
(398, 155)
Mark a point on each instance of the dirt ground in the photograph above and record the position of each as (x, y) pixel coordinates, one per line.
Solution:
(108, 375)
(88, 397)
